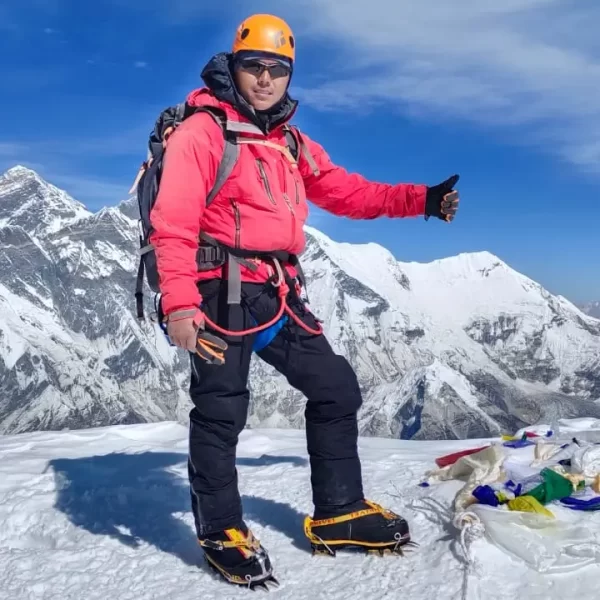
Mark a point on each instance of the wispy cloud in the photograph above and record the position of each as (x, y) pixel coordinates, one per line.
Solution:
(317, 217)
(529, 68)
(140, 64)
(94, 192)
(179, 12)
(60, 162)
(12, 149)
(130, 142)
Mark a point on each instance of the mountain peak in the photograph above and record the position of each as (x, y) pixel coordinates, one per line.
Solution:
(458, 347)
(18, 169)
(30, 202)
(21, 172)
(475, 260)
(478, 261)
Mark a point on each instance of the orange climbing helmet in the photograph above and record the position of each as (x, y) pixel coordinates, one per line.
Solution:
(265, 33)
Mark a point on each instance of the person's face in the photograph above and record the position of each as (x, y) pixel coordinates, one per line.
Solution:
(262, 82)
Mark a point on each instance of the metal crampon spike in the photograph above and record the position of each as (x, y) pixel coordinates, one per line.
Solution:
(381, 551)
(322, 550)
(409, 547)
(264, 584)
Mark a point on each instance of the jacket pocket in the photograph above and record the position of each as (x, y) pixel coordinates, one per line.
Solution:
(265, 180)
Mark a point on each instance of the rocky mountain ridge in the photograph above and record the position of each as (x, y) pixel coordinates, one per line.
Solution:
(498, 352)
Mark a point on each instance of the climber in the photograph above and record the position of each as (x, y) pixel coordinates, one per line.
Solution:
(254, 230)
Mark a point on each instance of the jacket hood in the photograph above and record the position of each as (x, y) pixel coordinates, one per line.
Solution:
(217, 76)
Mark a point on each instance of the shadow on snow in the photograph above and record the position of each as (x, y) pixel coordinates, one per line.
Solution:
(145, 497)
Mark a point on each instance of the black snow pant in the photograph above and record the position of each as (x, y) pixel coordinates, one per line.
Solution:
(221, 397)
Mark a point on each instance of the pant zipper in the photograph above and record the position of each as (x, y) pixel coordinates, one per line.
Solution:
(263, 175)
(238, 222)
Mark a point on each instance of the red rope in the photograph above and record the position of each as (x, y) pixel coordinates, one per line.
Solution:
(283, 290)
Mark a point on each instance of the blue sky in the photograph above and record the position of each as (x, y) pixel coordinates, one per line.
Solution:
(507, 94)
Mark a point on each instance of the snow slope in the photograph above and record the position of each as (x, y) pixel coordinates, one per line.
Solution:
(104, 513)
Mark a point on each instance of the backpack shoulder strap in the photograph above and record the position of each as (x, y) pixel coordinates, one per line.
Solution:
(297, 146)
(230, 156)
(291, 140)
(231, 152)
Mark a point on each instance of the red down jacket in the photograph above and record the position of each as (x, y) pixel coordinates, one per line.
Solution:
(262, 206)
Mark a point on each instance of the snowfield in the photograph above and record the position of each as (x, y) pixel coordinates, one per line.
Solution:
(104, 513)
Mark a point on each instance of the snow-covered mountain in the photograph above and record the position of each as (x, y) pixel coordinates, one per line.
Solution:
(592, 309)
(461, 347)
(71, 351)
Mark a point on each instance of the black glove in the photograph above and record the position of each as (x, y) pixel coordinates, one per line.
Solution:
(441, 200)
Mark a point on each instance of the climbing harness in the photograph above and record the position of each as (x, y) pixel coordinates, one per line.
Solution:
(283, 289)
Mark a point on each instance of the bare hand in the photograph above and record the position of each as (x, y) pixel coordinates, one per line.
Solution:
(183, 333)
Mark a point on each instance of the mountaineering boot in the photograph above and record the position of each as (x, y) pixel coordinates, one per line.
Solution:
(238, 557)
(370, 528)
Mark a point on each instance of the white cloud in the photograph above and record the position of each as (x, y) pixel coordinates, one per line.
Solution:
(92, 191)
(11, 149)
(130, 143)
(140, 64)
(179, 12)
(534, 64)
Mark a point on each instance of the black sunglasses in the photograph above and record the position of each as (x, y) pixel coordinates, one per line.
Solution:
(257, 68)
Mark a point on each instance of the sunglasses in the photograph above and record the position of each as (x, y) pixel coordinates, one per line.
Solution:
(257, 68)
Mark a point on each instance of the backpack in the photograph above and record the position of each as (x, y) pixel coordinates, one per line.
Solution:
(147, 182)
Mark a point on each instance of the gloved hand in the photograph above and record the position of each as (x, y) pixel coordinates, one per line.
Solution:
(442, 201)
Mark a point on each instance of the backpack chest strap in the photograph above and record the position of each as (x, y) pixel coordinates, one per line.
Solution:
(283, 149)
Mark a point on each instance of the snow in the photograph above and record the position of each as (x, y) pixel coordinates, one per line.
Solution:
(118, 256)
(53, 206)
(104, 513)
(472, 329)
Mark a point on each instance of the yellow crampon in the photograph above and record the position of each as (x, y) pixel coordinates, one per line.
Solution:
(321, 546)
(248, 546)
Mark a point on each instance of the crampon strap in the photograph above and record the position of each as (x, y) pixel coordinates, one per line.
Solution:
(374, 510)
(248, 542)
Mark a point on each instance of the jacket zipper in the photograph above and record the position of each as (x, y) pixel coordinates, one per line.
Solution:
(263, 175)
(238, 223)
(296, 189)
(289, 205)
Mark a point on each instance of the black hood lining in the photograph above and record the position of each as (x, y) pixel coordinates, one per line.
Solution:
(218, 77)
